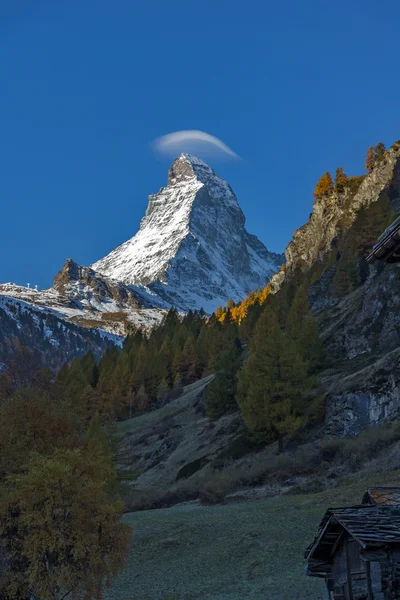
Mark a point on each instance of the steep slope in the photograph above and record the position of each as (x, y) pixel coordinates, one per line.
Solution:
(356, 304)
(336, 211)
(192, 249)
(54, 340)
(86, 298)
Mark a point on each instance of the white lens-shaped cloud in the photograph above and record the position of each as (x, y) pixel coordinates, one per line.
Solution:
(192, 141)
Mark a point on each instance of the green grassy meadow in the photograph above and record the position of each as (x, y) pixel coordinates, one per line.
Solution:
(227, 552)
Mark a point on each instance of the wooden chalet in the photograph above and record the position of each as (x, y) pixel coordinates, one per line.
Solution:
(387, 248)
(357, 549)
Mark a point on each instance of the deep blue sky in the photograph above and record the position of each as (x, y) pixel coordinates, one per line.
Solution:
(296, 88)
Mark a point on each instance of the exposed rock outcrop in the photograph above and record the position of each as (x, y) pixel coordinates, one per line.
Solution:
(360, 326)
(78, 282)
(333, 212)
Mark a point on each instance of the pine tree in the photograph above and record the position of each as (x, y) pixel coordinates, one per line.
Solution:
(167, 354)
(163, 390)
(105, 370)
(340, 179)
(302, 329)
(221, 393)
(370, 159)
(88, 404)
(139, 367)
(188, 363)
(363, 266)
(219, 312)
(324, 185)
(142, 399)
(89, 368)
(178, 386)
(62, 373)
(271, 382)
(380, 151)
(347, 276)
(120, 387)
(155, 372)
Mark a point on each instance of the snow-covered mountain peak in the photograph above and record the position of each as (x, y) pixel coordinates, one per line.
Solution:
(187, 166)
(182, 170)
(192, 249)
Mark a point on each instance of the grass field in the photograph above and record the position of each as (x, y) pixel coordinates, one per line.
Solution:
(252, 550)
(233, 552)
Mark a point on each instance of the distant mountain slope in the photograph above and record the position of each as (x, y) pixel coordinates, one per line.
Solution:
(82, 311)
(192, 249)
(53, 340)
(86, 298)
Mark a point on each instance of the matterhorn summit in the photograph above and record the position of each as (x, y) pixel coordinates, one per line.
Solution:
(192, 250)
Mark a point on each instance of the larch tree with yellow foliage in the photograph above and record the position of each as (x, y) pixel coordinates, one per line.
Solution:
(370, 159)
(341, 179)
(324, 185)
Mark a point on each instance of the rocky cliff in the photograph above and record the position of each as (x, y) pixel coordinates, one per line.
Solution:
(356, 305)
(334, 212)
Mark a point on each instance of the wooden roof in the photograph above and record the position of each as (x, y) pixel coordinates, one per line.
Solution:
(375, 522)
(369, 525)
(382, 496)
(387, 247)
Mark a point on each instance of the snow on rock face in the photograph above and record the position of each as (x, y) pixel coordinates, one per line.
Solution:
(192, 249)
(81, 296)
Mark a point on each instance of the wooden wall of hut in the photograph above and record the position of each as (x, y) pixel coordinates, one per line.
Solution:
(359, 574)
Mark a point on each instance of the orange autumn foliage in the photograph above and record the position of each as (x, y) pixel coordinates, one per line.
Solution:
(324, 185)
(239, 312)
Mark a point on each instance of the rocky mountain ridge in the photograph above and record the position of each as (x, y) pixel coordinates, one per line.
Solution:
(336, 211)
(81, 296)
(192, 249)
(53, 339)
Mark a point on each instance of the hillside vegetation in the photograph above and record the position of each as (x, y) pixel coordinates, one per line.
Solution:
(288, 398)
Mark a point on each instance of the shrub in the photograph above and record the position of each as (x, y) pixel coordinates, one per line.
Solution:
(214, 490)
(153, 498)
(367, 445)
(312, 486)
(329, 449)
(238, 447)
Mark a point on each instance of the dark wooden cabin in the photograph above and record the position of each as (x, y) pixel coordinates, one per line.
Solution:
(357, 549)
(387, 248)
